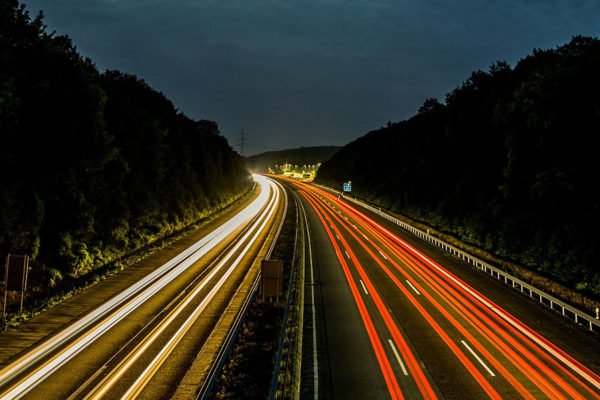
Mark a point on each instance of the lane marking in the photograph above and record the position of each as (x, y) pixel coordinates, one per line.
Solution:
(86, 383)
(383, 255)
(347, 255)
(526, 330)
(413, 288)
(314, 312)
(354, 226)
(364, 287)
(404, 371)
(478, 359)
(338, 238)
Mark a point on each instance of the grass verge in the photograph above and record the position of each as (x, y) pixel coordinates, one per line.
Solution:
(39, 300)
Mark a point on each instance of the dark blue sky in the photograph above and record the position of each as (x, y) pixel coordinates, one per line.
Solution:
(296, 73)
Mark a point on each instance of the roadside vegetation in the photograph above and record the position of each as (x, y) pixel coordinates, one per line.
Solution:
(505, 164)
(95, 168)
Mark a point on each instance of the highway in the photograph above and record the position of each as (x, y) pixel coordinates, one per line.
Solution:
(397, 319)
(144, 340)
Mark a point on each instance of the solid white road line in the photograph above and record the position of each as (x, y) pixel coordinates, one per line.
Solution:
(478, 359)
(314, 316)
(382, 255)
(404, 371)
(364, 287)
(413, 288)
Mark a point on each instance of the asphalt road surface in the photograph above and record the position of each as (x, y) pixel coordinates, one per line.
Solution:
(396, 318)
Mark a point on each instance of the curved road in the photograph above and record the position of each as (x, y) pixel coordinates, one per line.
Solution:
(141, 342)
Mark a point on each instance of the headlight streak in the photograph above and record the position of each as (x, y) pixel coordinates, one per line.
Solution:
(411, 257)
(142, 290)
(153, 367)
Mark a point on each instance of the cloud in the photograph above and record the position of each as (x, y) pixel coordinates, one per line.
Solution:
(310, 71)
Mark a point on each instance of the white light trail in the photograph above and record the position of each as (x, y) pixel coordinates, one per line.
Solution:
(129, 300)
(151, 369)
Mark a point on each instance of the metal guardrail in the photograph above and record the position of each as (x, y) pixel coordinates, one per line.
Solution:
(279, 382)
(544, 298)
(217, 365)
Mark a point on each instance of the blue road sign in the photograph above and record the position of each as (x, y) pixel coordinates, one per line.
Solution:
(348, 186)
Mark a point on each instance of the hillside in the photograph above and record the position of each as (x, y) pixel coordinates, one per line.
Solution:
(300, 156)
(506, 163)
(95, 165)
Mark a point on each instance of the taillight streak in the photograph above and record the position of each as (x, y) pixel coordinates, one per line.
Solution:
(420, 379)
(443, 335)
(524, 333)
(384, 364)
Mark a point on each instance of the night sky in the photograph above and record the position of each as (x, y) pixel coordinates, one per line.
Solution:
(294, 73)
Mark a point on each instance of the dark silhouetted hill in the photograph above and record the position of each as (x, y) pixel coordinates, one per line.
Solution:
(300, 156)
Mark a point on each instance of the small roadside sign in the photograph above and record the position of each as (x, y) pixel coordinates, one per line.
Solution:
(16, 272)
(15, 277)
(272, 278)
(348, 186)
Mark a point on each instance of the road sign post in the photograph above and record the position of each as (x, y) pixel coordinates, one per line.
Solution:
(15, 277)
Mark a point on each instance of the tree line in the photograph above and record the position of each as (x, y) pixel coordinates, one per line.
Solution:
(299, 156)
(94, 165)
(507, 163)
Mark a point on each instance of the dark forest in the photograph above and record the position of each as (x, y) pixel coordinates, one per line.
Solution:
(95, 165)
(507, 163)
